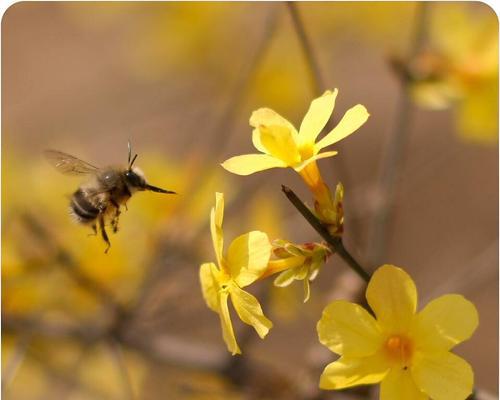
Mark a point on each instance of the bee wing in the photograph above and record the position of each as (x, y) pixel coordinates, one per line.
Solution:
(67, 164)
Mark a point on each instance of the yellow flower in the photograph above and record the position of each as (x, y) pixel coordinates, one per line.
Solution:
(246, 259)
(282, 146)
(460, 68)
(407, 352)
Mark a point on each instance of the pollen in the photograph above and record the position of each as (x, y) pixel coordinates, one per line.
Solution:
(399, 349)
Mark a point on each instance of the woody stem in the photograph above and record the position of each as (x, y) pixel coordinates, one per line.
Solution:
(335, 243)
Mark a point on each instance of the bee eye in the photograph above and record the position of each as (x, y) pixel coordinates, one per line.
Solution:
(133, 179)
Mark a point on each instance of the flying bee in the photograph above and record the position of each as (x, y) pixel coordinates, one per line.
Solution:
(107, 189)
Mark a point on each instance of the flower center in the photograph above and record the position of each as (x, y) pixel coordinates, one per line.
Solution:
(306, 151)
(399, 349)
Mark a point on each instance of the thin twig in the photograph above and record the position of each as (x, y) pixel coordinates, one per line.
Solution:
(393, 162)
(221, 132)
(12, 365)
(116, 351)
(317, 80)
(335, 243)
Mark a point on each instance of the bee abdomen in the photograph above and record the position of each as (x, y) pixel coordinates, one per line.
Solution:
(82, 209)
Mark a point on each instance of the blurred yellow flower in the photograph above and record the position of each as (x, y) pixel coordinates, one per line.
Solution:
(247, 257)
(282, 146)
(460, 68)
(407, 352)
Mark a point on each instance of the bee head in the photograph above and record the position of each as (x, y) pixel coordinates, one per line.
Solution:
(135, 179)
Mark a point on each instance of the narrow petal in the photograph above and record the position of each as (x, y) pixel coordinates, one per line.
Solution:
(248, 164)
(349, 330)
(247, 257)
(350, 122)
(392, 295)
(445, 322)
(280, 143)
(398, 385)
(286, 278)
(227, 326)
(216, 217)
(443, 376)
(266, 116)
(347, 372)
(250, 312)
(307, 290)
(209, 286)
(319, 156)
(317, 116)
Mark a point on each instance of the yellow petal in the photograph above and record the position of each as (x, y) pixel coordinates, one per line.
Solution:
(350, 122)
(319, 156)
(392, 295)
(399, 385)
(286, 278)
(216, 217)
(209, 285)
(268, 117)
(247, 257)
(307, 290)
(445, 322)
(280, 143)
(250, 312)
(347, 372)
(256, 141)
(349, 330)
(317, 116)
(227, 326)
(248, 164)
(443, 376)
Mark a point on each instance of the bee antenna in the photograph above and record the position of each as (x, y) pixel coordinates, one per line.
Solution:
(129, 151)
(132, 162)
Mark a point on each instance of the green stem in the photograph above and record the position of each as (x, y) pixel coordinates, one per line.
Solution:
(335, 243)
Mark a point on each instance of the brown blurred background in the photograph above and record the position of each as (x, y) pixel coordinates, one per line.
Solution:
(180, 81)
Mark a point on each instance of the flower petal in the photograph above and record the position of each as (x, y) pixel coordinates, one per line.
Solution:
(247, 257)
(445, 322)
(248, 164)
(250, 312)
(317, 116)
(286, 278)
(392, 295)
(347, 372)
(350, 122)
(266, 116)
(307, 290)
(216, 217)
(280, 143)
(227, 326)
(443, 376)
(398, 385)
(349, 330)
(256, 141)
(319, 156)
(209, 285)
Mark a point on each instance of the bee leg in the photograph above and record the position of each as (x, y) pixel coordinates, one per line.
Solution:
(94, 229)
(114, 221)
(104, 233)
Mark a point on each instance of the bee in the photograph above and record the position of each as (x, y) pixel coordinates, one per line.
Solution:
(107, 189)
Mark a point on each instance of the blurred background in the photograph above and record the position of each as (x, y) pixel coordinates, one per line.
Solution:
(180, 80)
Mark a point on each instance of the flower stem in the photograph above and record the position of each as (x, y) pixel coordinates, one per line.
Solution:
(335, 243)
